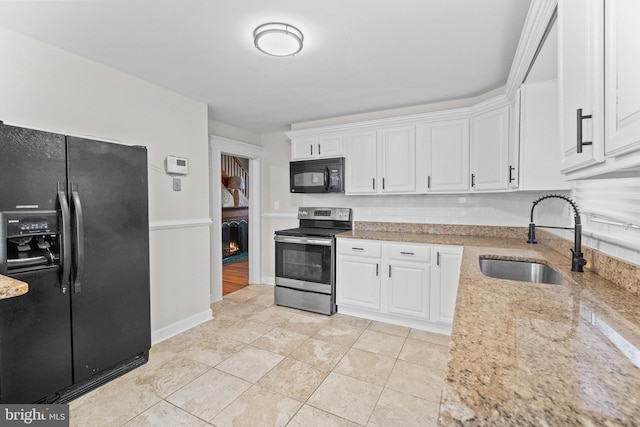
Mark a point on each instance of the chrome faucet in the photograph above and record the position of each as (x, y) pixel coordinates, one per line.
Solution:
(577, 260)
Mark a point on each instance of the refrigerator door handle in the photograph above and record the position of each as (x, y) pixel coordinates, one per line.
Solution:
(78, 247)
(66, 239)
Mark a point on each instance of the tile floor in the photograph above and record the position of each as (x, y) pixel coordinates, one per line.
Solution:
(257, 364)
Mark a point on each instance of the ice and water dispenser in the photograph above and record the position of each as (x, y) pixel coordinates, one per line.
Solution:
(29, 241)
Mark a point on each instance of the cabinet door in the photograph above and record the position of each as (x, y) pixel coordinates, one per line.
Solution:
(442, 156)
(302, 148)
(514, 142)
(539, 138)
(314, 147)
(398, 170)
(490, 150)
(622, 90)
(580, 85)
(361, 163)
(445, 278)
(329, 146)
(358, 282)
(409, 289)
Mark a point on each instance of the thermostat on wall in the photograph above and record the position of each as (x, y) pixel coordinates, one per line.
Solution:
(176, 165)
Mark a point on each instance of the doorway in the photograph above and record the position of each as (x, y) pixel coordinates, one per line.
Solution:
(253, 155)
(235, 222)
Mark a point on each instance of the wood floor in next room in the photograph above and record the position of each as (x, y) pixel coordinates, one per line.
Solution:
(257, 364)
(235, 276)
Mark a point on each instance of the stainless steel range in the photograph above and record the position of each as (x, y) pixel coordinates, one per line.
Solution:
(306, 260)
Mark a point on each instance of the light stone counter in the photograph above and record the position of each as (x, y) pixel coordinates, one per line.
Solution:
(535, 354)
(11, 287)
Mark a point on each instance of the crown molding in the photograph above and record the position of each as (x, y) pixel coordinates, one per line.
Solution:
(540, 14)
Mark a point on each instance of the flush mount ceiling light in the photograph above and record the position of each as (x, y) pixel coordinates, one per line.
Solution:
(278, 39)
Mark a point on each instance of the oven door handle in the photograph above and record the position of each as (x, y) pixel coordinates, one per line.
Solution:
(304, 240)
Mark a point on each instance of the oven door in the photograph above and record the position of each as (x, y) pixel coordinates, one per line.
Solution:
(305, 263)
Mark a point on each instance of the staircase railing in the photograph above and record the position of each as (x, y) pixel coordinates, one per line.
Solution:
(231, 166)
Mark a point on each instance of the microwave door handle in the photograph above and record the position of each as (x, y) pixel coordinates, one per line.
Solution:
(326, 178)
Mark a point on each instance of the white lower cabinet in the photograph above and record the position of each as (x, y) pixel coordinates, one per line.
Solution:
(407, 284)
(358, 264)
(445, 283)
(408, 277)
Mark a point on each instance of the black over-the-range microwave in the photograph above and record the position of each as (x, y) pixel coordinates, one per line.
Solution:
(317, 176)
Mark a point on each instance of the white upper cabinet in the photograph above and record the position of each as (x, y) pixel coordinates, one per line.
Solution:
(316, 147)
(490, 150)
(514, 143)
(442, 156)
(580, 75)
(398, 160)
(622, 73)
(539, 143)
(599, 56)
(361, 163)
(381, 161)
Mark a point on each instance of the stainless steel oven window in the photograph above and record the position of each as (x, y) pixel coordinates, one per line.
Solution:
(305, 262)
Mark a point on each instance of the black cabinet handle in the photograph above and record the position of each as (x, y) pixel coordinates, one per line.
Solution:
(319, 153)
(579, 119)
(383, 183)
(377, 266)
(429, 181)
(357, 249)
(407, 253)
(511, 169)
(311, 149)
(374, 183)
(473, 179)
(389, 271)
(438, 259)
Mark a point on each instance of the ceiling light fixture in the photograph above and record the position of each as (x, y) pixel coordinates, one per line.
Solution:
(278, 39)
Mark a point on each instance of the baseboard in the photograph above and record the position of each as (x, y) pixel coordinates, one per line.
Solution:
(180, 326)
(268, 280)
(423, 325)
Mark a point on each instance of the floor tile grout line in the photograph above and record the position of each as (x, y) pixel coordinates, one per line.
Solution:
(260, 308)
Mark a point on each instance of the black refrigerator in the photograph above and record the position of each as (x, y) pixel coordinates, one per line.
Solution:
(74, 226)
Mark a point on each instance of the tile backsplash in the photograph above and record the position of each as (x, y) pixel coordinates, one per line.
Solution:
(502, 209)
(511, 209)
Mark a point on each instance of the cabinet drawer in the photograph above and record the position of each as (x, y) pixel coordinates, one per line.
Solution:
(409, 253)
(358, 247)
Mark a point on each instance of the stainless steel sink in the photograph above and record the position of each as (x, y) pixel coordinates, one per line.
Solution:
(522, 271)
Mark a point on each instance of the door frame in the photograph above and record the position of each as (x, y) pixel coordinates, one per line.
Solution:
(218, 146)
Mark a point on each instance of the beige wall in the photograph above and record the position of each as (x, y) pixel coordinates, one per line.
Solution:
(275, 172)
(228, 131)
(47, 88)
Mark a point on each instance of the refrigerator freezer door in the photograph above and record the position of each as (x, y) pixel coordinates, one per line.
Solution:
(32, 162)
(110, 307)
(35, 342)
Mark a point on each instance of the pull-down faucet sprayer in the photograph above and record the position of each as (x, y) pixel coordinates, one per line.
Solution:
(577, 260)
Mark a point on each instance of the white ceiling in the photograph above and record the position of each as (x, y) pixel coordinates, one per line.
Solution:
(359, 55)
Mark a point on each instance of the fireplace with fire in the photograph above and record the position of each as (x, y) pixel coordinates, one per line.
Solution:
(235, 232)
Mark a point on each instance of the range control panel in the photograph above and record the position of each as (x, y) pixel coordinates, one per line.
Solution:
(335, 214)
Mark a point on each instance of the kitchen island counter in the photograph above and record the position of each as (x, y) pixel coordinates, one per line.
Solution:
(11, 287)
(536, 354)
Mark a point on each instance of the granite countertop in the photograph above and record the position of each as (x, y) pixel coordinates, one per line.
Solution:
(11, 287)
(535, 354)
